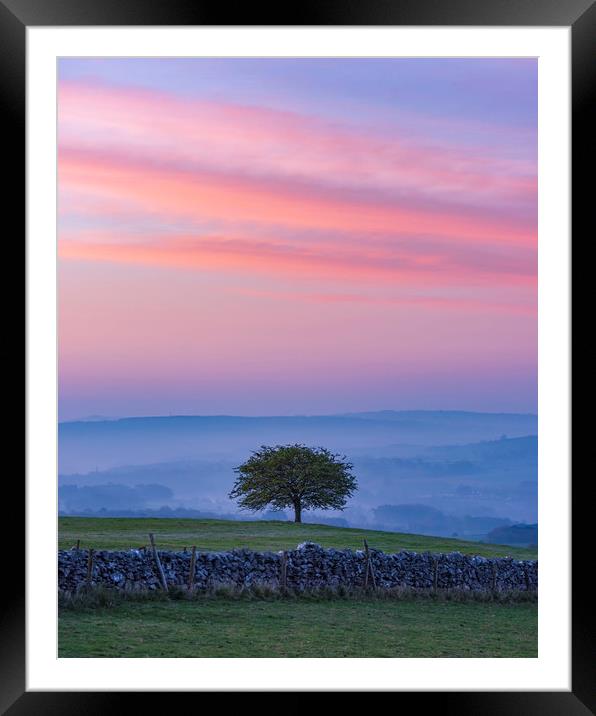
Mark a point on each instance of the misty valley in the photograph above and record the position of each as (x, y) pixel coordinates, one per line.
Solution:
(443, 473)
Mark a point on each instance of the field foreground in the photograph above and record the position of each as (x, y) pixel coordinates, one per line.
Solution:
(220, 535)
(228, 627)
(223, 627)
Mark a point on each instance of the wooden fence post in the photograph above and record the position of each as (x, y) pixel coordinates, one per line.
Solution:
(371, 566)
(191, 572)
(369, 569)
(78, 544)
(162, 576)
(89, 566)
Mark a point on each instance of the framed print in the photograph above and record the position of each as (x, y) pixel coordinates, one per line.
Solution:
(299, 281)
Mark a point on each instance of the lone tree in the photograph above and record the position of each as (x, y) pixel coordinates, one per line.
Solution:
(294, 476)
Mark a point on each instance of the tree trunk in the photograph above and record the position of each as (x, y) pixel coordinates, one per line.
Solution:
(297, 512)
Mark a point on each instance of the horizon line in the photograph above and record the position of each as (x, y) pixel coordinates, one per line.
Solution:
(102, 418)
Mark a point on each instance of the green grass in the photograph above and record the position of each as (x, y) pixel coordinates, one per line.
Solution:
(220, 627)
(223, 626)
(221, 535)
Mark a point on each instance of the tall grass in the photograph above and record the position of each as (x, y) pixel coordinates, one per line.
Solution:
(101, 597)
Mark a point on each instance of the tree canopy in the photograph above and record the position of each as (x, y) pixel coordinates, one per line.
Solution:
(294, 476)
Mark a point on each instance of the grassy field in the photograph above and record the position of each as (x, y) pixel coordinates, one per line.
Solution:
(221, 627)
(287, 627)
(220, 535)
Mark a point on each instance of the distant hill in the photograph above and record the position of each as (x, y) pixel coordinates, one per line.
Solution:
(98, 444)
(506, 448)
(514, 535)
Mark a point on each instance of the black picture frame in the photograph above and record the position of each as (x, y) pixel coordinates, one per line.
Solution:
(579, 15)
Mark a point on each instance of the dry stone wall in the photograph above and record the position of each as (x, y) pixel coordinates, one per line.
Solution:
(309, 566)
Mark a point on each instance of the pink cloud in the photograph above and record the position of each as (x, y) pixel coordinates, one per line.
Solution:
(214, 225)
(249, 257)
(269, 141)
(202, 194)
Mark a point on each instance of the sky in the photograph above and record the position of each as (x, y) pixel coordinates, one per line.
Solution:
(296, 236)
